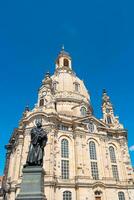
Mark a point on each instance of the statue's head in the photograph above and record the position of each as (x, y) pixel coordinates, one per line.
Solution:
(38, 124)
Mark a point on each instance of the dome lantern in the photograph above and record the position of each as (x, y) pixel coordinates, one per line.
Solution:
(64, 60)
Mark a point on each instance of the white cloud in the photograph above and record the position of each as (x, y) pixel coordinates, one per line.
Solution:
(131, 148)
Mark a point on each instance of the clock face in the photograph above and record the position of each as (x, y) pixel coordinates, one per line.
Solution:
(91, 127)
(44, 93)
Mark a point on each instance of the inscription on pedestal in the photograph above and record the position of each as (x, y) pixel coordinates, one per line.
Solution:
(32, 186)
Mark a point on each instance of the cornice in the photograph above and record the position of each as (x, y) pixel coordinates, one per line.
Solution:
(74, 184)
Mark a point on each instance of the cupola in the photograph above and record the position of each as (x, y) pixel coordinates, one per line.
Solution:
(63, 62)
(47, 82)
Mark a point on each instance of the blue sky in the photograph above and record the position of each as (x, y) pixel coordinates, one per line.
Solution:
(100, 38)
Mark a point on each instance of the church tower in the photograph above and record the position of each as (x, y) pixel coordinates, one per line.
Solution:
(85, 158)
(108, 112)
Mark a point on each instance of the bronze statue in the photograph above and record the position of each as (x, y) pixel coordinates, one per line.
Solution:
(36, 149)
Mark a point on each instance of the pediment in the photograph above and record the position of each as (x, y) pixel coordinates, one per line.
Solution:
(32, 119)
(90, 119)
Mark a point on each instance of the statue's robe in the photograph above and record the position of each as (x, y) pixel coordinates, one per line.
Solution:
(36, 149)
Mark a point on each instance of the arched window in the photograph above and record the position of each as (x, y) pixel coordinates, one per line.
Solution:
(121, 196)
(92, 151)
(64, 148)
(109, 121)
(83, 111)
(93, 157)
(42, 102)
(113, 162)
(67, 195)
(54, 86)
(94, 170)
(76, 85)
(115, 172)
(66, 62)
(65, 159)
(112, 154)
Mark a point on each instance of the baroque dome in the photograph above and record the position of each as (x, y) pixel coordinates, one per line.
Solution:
(68, 82)
(69, 91)
(65, 90)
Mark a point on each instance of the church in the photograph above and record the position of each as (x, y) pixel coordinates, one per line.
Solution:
(85, 158)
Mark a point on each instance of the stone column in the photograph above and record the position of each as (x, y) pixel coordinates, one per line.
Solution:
(78, 153)
(18, 157)
(78, 160)
(49, 161)
(8, 154)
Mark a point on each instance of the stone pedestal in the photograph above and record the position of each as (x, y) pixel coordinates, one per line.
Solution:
(32, 186)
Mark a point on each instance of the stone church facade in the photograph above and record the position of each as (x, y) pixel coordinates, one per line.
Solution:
(85, 158)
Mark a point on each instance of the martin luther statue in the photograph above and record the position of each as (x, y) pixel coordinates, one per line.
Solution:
(32, 185)
(36, 149)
